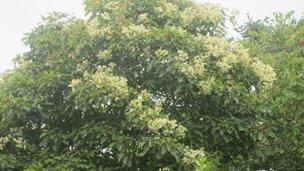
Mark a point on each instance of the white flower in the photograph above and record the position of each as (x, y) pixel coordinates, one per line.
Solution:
(193, 156)
(96, 30)
(199, 65)
(182, 56)
(114, 86)
(168, 127)
(207, 12)
(105, 16)
(95, 2)
(265, 73)
(169, 9)
(187, 69)
(20, 143)
(228, 53)
(134, 30)
(207, 86)
(161, 53)
(3, 142)
(143, 18)
(74, 83)
(104, 54)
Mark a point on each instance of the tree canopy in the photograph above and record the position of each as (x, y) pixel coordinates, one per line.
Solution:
(279, 41)
(153, 85)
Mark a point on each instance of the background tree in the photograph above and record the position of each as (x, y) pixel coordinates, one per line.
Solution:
(139, 85)
(278, 41)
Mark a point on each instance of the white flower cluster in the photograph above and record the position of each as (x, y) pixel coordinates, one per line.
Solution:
(194, 68)
(182, 55)
(153, 118)
(186, 69)
(136, 108)
(105, 82)
(106, 16)
(199, 65)
(178, 30)
(74, 83)
(193, 156)
(143, 18)
(167, 126)
(207, 86)
(113, 5)
(265, 72)
(207, 12)
(134, 30)
(104, 54)
(20, 143)
(215, 46)
(167, 8)
(3, 142)
(164, 169)
(242, 53)
(22, 63)
(15, 137)
(225, 63)
(161, 53)
(83, 66)
(95, 30)
(95, 2)
(213, 12)
(228, 54)
(116, 87)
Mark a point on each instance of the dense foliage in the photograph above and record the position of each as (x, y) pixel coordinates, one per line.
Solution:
(279, 41)
(154, 85)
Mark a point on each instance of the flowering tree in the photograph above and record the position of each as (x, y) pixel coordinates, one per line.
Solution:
(139, 85)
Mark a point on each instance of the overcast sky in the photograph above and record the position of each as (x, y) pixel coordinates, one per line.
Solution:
(20, 16)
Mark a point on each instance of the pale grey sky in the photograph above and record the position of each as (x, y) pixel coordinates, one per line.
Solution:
(20, 16)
